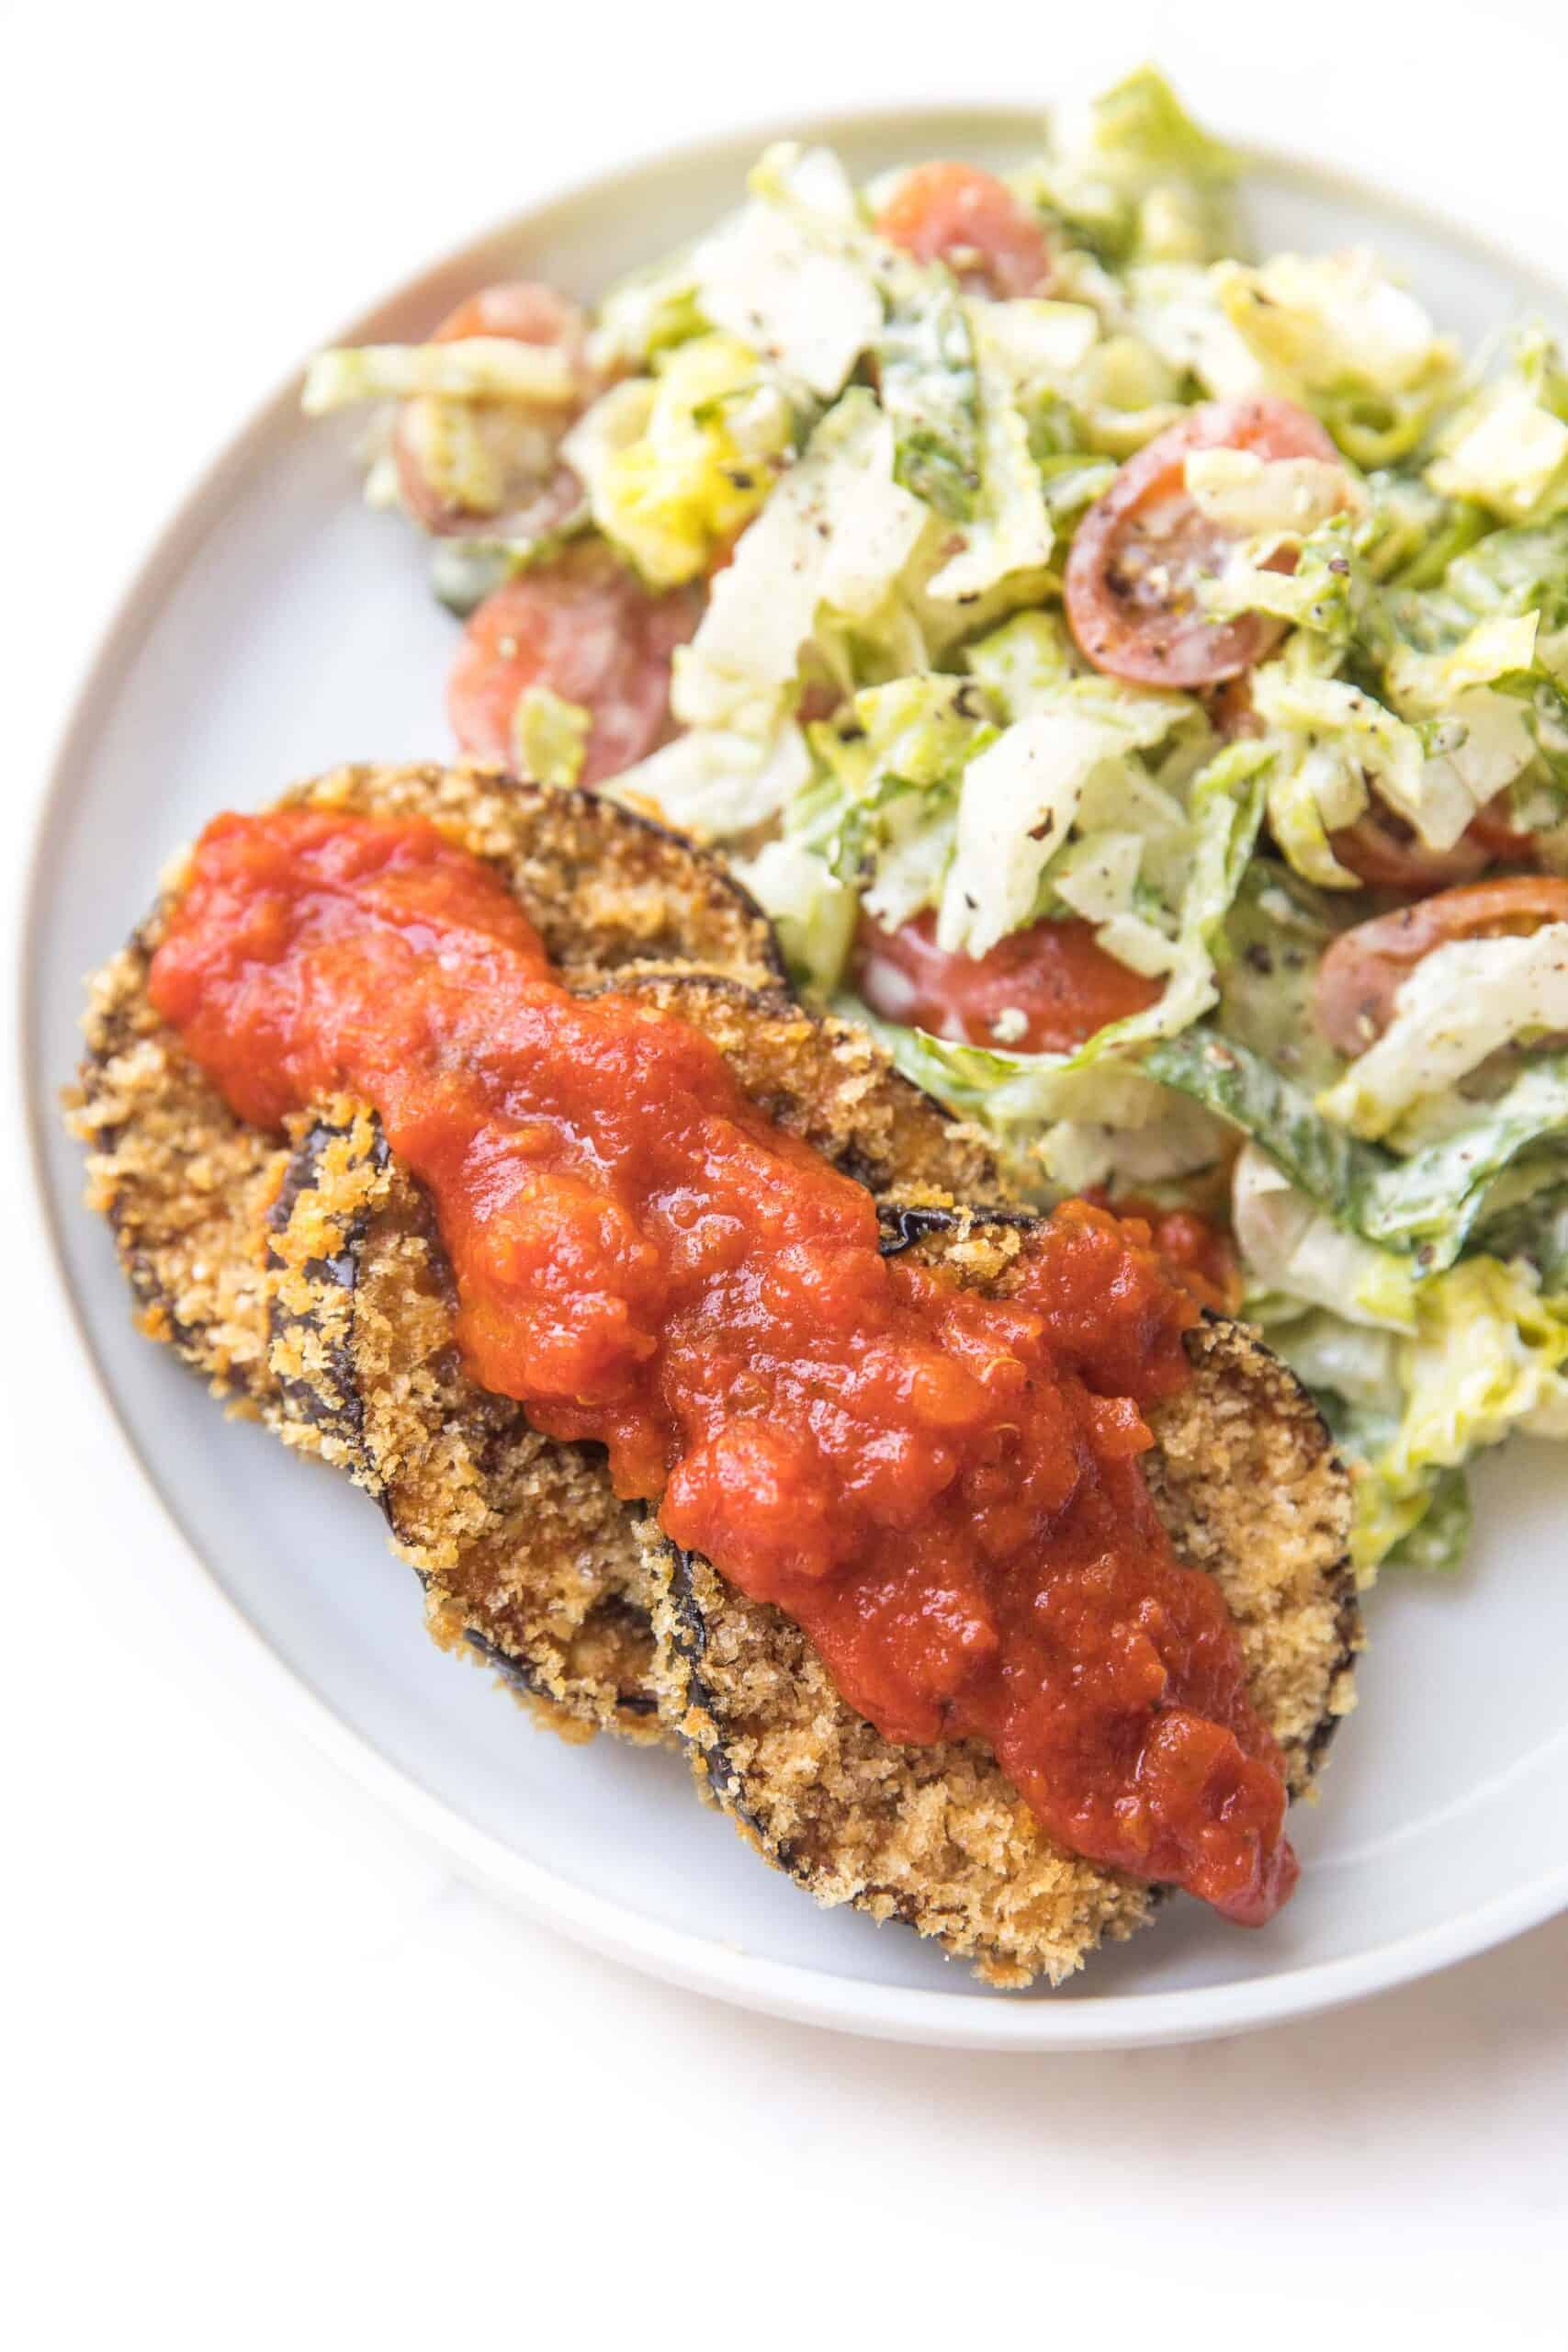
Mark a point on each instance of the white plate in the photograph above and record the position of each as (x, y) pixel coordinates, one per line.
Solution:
(279, 627)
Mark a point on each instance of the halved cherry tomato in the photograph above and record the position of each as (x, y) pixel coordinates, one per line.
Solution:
(585, 627)
(1379, 847)
(1494, 827)
(952, 212)
(1382, 850)
(1362, 972)
(1055, 974)
(1385, 853)
(538, 490)
(1141, 549)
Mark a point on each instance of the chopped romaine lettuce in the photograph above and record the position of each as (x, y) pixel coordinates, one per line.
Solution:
(549, 736)
(813, 912)
(778, 278)
(1318, 593)
(1149, 1153)
(1023, 664)
(1459, 1005)
(1135, 176)
(1414, 533)
(1098, 876)
(1346, 1365)
(1482, 1357)
(1328, 330)
(1041, 343)
(1424, 685)
(677, 467)
(1288, 1244)
(644, 314)
(482, 368)
(1332, 331)
(1515, 571)
(930, 390)
(1427, 1205)
(1275, 934)
(1337, 742)
(713, 783)
(1534, 1229)
(1242, 1087)
(835, 533)
(1282, 499)
(1322, 320)
(1430, 1201)
(1174, 310)
(881, 810)
(1017, 802)
(1009, 530)
(1507, 450)
(924, 352)
(1021, 795)
(1440, 1537)
(1485, 1358)
(1072, 1124)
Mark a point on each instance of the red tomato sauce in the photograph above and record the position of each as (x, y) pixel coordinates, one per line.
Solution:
(943, 1489)
(1195, 1254)
(1054, 974)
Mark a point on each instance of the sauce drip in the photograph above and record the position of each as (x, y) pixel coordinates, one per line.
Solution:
(943, 1489)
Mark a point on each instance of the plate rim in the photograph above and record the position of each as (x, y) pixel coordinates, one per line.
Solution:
(793, 1990)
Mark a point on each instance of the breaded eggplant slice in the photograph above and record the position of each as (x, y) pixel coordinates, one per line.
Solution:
(186, 1186)
(1245, 1478)
(526, 1556)
(525, 1553)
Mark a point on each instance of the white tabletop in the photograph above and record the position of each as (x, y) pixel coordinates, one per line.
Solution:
(279, 2076)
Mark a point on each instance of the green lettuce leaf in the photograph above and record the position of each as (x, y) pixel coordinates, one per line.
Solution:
(488, 367)
(833, 536)
(1133, 177)
(927, 376)
(1441, 1538)
(1431, 1201)
(1409, 1409)
(881, 809)
(1486, 1358)
(1534, 1229)
(930, 386)
(1460, 1004)
(1064, 1123)
(713, 783)
(1242, 1088)
(1506, 446)
(1009, 530)
(813, 912)
(549, 736)
(788, 274)
(1426, 1205)
(676, 465)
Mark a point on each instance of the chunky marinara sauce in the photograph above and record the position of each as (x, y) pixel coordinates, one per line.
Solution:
(943, 1489)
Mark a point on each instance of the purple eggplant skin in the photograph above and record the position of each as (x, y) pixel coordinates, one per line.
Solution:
(331, 1406)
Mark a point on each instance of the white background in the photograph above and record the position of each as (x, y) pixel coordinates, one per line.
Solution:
(272, 2075)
